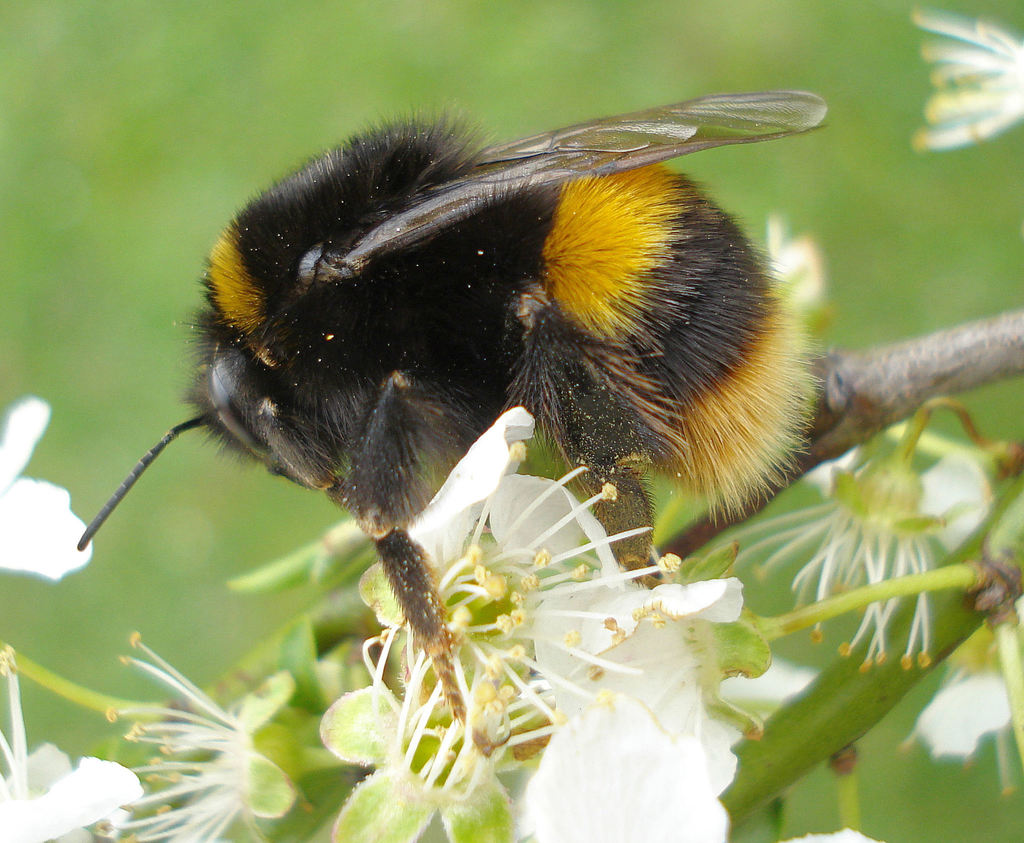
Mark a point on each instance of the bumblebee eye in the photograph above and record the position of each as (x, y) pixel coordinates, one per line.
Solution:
(309, 264)
(223, 388)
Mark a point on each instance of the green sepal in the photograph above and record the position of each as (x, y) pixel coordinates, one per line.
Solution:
(484, 818)
(299, 658)
(710, 566)
(270, 792)
(848, 492)
(380, 811)
(326, 561)
(357, 727)
(742, 650)
(263, 703)
(375, 592)
(917, 524)
(748, 723)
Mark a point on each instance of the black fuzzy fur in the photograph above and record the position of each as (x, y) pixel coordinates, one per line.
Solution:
(378, 378)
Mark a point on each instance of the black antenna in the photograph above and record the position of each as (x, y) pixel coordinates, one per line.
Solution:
(134, 475)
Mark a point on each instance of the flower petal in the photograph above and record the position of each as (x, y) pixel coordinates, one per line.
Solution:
(38, 530)
(90, 793)
(719, 601)
(613, 770)
(962, 713)
(23, 426)
(655, 664)
(442, 526)
(46, 765)
(956, 489)
(546, 502)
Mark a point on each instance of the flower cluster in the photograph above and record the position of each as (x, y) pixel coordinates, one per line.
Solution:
(208, 774)
(979, 74)
(881, 519)
(557, 648)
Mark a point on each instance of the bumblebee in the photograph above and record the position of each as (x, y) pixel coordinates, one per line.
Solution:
(369, 316)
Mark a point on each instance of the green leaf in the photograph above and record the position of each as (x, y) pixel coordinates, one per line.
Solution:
(377, 594)
(357, 727)
(271, 793)
(299, 658)
(379, 811)
(486, 818)
(338, 552)
(710, 566)
(263, 703)
(742, 650)
(291, 571)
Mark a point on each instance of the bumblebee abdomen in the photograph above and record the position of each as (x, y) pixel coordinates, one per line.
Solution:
(706, 357)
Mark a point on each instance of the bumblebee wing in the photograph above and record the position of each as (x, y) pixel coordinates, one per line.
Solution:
(613, 144)
(598, 148)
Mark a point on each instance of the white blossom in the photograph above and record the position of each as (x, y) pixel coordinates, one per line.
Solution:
(41, 795)
(208, 773)
(546, 628)
(979, 74)
(962, 712)
(882, 520)
(613, 774)
(38, 530)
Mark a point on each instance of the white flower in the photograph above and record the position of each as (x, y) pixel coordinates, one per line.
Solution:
(41, 797)
(973, 704)
(882, 521)
(614, 774)
(655, 646)
(38, 530)
(963, 711)
(847, 835)
(497, 540)
(209, 773)
(799, 269)
(551, 638)
(545, 625)
(980, 81)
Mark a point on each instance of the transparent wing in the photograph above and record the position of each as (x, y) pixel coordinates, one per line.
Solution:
(598, 148)
(657, 134)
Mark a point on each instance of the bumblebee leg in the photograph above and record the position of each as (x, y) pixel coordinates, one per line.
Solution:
(628, 508)
(568, 380)
(385, 489)
(411, 579)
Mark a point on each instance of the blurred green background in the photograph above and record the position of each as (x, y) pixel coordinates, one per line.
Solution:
(131, 131)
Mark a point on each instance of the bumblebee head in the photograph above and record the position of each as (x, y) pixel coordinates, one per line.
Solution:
(256, 412)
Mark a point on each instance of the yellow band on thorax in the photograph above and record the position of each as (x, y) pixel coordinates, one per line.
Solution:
(235, 295)
(609, 232)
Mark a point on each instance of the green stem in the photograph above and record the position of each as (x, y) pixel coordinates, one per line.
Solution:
(960, 576)
(845, 702)
(912, 433)
(69, 690)
(848, 795)
(1008, 644)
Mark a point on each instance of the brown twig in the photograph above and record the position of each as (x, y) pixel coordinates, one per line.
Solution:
(860, 393)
